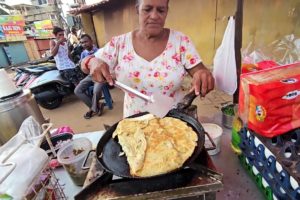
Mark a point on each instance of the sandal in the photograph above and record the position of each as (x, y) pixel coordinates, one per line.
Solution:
(100, 109)
(88, 115)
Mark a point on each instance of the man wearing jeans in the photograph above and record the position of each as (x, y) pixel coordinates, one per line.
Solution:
(81, 91)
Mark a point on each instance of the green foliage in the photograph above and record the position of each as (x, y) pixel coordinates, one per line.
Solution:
(228, 110)
(5, 197)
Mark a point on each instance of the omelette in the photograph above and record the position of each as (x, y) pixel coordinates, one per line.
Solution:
(155, 146)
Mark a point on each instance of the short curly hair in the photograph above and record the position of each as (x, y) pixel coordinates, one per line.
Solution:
(86, 35)
(56, 30)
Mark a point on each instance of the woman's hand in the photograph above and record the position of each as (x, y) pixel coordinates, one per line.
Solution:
(98, 69)
(203, 81)
(100, 72)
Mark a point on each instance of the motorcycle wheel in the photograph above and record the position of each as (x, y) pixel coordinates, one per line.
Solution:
(51, 103)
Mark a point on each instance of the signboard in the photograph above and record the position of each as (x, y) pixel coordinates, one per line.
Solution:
(11, 28)
(43, 33)
(45, 24)
(43, 29)
(2, 36)
(12, 20)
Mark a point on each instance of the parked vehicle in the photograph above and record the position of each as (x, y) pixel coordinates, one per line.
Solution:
(25, 75)
(50, 88)
(45, 81)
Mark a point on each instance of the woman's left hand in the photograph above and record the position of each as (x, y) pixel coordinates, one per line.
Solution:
(203, 80)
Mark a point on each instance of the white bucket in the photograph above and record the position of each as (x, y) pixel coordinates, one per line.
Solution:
(215, 133)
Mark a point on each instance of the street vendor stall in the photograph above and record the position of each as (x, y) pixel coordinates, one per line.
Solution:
(94, 185)
(236, 182)
(197, 178)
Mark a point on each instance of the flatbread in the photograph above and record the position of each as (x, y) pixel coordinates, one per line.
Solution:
(155, 146)
(133, 142)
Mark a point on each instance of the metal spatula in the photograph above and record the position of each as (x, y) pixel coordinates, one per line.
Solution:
(158, 104)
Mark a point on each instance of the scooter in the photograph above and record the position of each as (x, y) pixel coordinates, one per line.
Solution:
(27, 74)
(50, 88)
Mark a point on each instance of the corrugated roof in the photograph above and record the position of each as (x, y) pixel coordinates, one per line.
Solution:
(4, 5)
(92, 7)
(18, 6)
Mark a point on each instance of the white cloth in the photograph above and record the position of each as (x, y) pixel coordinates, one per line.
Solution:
(62, 59)
(163, 74)
(73, 39)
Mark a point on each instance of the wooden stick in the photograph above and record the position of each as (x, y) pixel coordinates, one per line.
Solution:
(238, 45)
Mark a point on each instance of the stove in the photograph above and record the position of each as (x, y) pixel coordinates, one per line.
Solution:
(198, 181)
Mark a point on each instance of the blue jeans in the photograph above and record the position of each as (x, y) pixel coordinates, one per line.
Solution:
(81, 91)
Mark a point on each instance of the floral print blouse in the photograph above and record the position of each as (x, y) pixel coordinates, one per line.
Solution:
(163, 74)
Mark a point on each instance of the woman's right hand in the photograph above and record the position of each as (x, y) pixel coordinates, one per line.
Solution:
(99, 71)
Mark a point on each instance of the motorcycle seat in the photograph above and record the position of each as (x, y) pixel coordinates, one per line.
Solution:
(36, 71)
(43, 66)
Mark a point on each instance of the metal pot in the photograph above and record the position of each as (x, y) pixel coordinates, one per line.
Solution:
(227, 119)
(14, 110)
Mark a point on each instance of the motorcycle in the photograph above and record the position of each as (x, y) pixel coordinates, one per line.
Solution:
(25, 75)
(46, 83)
(50, 88)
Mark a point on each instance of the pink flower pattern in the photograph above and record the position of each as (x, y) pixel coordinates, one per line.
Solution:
(128, 57)
(193, 61)
(182, 49)
(156, 74)
(176, 57)
(164, 74)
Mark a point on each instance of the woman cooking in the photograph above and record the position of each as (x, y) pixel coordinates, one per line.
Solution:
(150, 59)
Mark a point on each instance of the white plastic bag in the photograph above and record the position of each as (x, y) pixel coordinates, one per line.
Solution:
(31, 131)
(224, 62)
(26, 164)
(21, 160)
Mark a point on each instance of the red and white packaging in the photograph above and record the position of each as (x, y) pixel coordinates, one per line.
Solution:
(269, 101)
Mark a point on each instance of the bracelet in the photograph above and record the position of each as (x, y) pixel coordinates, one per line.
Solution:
(88, 61)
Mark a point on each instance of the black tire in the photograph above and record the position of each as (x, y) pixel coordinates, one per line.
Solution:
(51, 103)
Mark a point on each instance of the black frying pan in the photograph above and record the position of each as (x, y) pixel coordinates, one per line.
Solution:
(108, 148)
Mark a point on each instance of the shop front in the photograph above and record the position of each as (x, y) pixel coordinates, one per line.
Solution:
(12, 37)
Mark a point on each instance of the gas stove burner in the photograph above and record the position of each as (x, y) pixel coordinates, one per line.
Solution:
(5, 98)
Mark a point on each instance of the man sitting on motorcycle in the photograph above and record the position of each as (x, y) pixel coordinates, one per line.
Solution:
(95, 107)
(59, 50)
